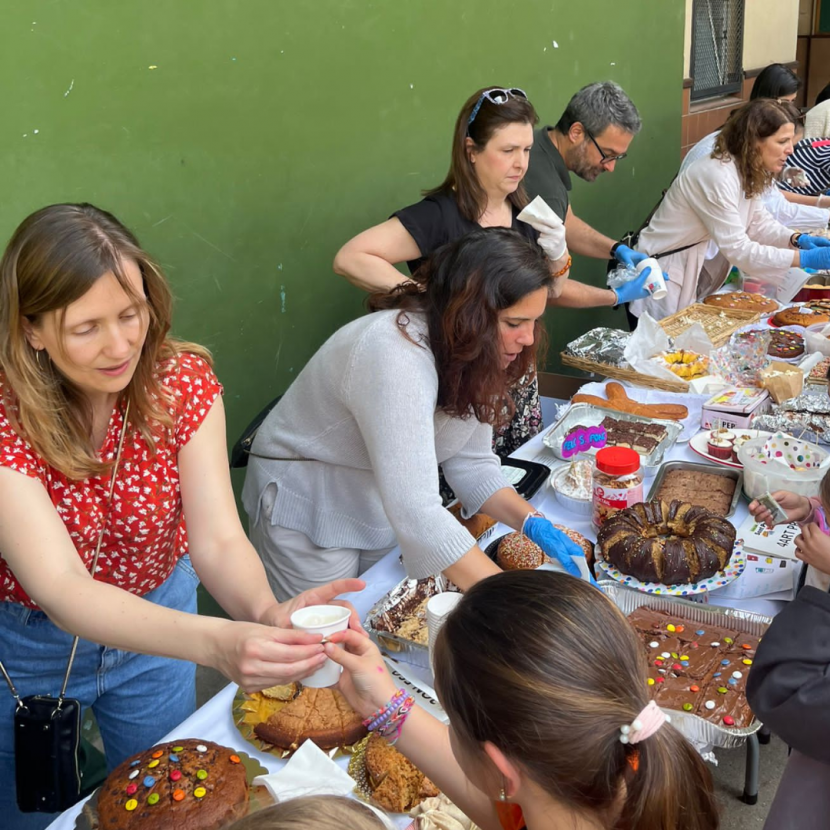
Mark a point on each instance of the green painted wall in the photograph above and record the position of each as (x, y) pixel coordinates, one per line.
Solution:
(245, 140)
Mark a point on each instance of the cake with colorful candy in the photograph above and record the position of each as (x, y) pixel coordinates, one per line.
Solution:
(181, 785)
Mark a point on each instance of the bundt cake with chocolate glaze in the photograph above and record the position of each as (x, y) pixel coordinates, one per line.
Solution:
(670, 543)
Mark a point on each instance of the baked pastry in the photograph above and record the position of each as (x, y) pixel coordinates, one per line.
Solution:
(786, 344)
(285, 692)
(815, 312)
(319, 715)
(686, 365)
(719, 448)
(478, 524)
(517, 553)
(618, 399)
(397, 784)
(669, 543)
(742, 301)
(695, 667)
(181, 785)
(709, 490)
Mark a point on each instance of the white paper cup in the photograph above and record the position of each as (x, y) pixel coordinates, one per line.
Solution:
(325, 620)
(438, 609)
(656, 284)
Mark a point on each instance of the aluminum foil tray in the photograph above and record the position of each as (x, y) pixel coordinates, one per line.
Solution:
(590, 415)
(698, 730)
(727, 472)
(381, 614)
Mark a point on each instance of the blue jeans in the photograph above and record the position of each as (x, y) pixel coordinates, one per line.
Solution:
(137, 699)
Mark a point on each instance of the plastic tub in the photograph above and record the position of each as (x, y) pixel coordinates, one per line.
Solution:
(767, 478)
(578, 507)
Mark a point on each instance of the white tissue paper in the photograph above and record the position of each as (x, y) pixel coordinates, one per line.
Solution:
(817, 341)
(311, 772)
(649, 340)
(539, 215)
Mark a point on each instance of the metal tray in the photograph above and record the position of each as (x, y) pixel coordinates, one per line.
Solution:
(728, 472)
(401, 649)
(698, 730)
(590, 415)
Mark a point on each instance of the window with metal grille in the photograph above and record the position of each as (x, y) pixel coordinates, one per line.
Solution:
(717, 47)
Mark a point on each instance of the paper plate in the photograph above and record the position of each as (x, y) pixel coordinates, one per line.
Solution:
(734, 568)
(700, 443)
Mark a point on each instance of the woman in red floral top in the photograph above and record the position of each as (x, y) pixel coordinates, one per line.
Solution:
(84, 321)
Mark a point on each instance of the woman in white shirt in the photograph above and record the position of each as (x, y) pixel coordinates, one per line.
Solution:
(719, 199)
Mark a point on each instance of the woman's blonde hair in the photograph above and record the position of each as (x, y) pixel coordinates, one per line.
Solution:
(52, 260)
(314, 812)
(564, 671)
(739, 137)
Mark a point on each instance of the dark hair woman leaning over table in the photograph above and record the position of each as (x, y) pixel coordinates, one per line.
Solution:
(490, 151)
(346, 465)
(111, 435)
(550, 725)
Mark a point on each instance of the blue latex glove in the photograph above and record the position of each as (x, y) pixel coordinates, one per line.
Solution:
(636, 288)
(818, 258)
(807, 242)
(628, 256)
(554, 543)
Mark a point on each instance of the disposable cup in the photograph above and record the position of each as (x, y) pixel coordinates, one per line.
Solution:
(655, 284)
(438, 609)
(325, 620)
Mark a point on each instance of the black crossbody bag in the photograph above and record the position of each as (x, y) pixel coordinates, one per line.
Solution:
(47, 730)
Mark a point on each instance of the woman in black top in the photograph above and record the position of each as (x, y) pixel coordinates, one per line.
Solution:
(490, 152)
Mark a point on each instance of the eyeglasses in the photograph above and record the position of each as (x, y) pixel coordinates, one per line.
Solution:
(603, 158)
(497, 95)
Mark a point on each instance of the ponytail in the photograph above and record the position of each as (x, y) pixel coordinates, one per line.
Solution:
(671, 787)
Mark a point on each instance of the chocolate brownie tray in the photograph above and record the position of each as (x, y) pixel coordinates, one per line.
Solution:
(402, 604)
(736, 476)
(588, 415)
(698, 730)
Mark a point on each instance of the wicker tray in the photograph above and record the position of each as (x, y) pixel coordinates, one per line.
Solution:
(718, 323)
(608, 371)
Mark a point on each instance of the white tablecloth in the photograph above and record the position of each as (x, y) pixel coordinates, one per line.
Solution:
(213, 721)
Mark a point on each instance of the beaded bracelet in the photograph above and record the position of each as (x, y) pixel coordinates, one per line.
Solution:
(392, 729)
(565, 269)
(382, 715)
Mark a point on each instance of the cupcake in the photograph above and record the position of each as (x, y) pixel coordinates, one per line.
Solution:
(720, 448)
(722, 434)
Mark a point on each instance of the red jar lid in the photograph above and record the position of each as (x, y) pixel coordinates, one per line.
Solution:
(618, 461)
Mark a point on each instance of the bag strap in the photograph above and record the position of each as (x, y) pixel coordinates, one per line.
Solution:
(92, 568)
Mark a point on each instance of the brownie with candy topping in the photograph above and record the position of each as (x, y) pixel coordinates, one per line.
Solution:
(181, 785)
(696, 668)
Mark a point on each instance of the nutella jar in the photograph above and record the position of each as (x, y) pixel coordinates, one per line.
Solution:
(617, 482)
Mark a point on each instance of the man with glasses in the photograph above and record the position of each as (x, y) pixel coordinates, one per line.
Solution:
(591, 136)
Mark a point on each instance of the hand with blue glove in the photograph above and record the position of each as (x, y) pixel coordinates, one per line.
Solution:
(818, 258)
(636, 288)
(808, 243)
(628, 256)
(554, 543)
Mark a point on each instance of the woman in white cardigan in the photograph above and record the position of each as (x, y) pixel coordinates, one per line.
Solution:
(718, 199)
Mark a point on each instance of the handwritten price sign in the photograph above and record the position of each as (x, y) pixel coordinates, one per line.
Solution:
(583, 440)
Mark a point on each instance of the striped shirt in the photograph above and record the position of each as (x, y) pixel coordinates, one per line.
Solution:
(812, 155)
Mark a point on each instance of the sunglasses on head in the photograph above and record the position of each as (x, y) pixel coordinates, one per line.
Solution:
(497, 95)
(603, 158)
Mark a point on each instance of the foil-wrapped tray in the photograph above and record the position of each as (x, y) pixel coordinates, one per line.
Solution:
(806, 416)
(384, 617)
(692, 466)
(602, 345)
(698, 730)
(590, 415)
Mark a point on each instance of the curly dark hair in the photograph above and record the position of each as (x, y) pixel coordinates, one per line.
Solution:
(739, 137)
(461, 289)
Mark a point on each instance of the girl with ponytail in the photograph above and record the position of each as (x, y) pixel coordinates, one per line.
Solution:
(544, 683)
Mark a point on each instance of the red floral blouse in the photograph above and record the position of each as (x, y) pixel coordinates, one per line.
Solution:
(146, 533)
